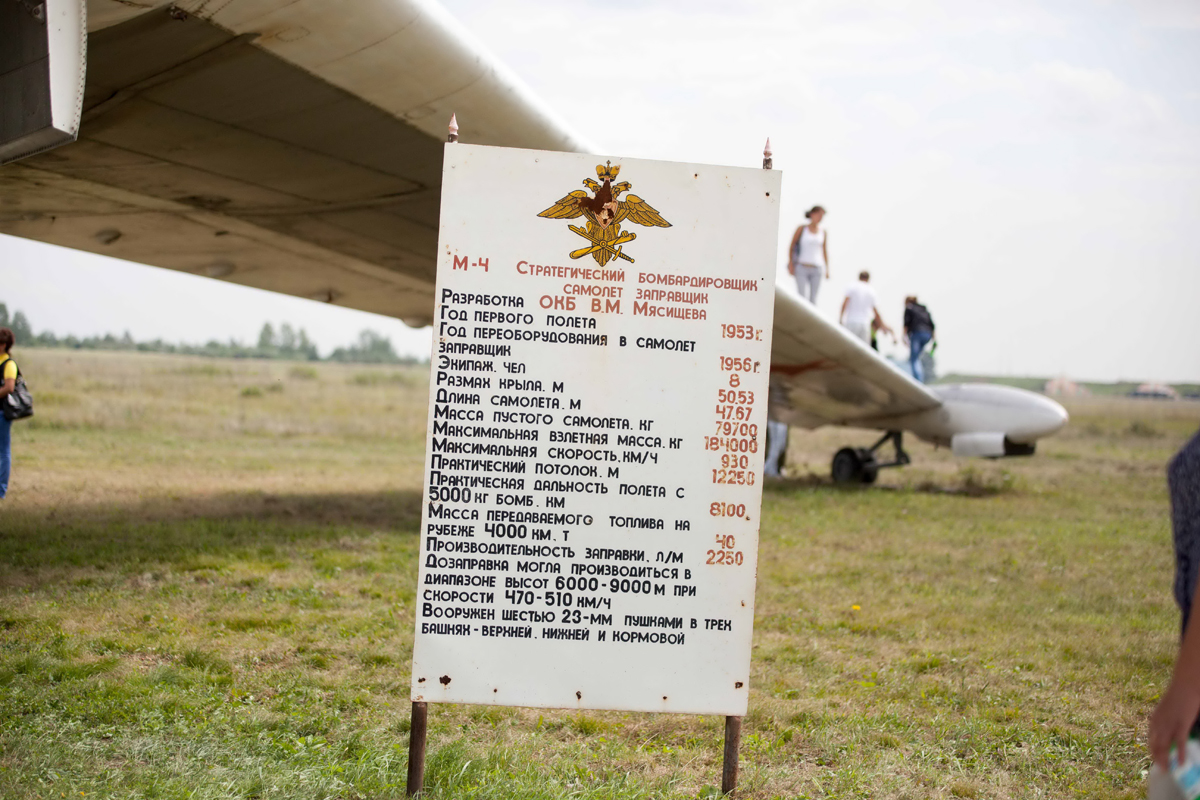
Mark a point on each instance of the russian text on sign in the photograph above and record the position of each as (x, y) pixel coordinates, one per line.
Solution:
(583, 338)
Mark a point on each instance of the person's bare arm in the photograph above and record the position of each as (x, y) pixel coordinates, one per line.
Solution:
(1180, 703)
(825, 252)
(842, 315)
(792, 250)
(883, 326)
(8, 386)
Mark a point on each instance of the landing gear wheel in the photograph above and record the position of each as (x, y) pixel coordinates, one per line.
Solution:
(870, 468)
(847, 466)
(859, 464)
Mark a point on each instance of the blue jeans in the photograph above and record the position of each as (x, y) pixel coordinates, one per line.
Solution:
(808, 281)
(777, 436)
(5, 454)
(916, 342)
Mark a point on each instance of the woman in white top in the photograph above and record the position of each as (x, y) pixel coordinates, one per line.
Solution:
(808, 257)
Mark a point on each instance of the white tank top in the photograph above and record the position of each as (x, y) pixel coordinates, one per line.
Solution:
(812, 248)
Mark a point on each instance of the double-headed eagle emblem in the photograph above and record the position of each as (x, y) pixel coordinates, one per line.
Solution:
(605, 212)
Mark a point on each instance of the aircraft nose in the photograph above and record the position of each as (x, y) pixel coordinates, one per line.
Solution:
(1040, 417)
(1055, 418)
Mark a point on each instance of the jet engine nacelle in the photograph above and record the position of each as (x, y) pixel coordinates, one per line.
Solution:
(43, 53)
(988, 445)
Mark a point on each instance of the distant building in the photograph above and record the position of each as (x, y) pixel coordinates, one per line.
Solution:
(1062, 387)
(1158, 391)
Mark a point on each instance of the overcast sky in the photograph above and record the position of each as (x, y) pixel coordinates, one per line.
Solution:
(1030, 169)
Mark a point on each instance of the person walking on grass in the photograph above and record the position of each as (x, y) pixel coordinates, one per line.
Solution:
(859, 312)
(808, 256)
(918, 333)
(8, 382)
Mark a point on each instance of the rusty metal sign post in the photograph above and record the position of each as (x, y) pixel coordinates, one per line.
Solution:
(598, 398)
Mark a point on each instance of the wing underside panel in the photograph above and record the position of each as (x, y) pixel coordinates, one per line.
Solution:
(279, 144)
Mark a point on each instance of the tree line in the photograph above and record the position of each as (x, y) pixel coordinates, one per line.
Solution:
(284, 342)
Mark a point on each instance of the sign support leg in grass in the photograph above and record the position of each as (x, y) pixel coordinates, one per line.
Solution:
(416, 749)
(729, 769)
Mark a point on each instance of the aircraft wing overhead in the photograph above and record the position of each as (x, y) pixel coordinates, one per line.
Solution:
(289, 145)
(296, 146)
(822, 375)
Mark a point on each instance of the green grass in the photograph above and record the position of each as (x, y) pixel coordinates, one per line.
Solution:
(206, 595)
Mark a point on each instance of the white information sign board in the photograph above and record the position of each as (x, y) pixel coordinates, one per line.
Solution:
(598, 399)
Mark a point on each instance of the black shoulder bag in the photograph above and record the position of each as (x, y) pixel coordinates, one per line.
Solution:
(17, 404)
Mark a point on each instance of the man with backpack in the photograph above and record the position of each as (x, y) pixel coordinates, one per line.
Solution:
(919, 332)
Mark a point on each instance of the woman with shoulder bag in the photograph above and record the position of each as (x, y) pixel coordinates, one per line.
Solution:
(8, 384)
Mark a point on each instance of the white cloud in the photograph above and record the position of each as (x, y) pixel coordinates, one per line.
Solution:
(893, 110)
(1096, 99)
(1169, 14)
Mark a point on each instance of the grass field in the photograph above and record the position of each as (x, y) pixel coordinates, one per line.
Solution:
(207, 582)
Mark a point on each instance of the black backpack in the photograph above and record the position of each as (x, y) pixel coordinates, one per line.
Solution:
(18, 403)
(920, 318)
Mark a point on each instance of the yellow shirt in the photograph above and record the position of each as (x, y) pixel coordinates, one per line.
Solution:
(10, 368)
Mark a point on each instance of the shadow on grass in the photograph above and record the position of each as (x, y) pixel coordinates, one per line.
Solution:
(967, 483)
(809, 481)
(176, 531)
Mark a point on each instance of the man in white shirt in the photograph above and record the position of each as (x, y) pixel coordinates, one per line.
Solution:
(858, 309)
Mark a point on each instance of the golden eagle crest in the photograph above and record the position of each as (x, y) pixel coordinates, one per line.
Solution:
(605, 212)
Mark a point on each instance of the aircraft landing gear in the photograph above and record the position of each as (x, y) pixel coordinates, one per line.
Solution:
(859, 465)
